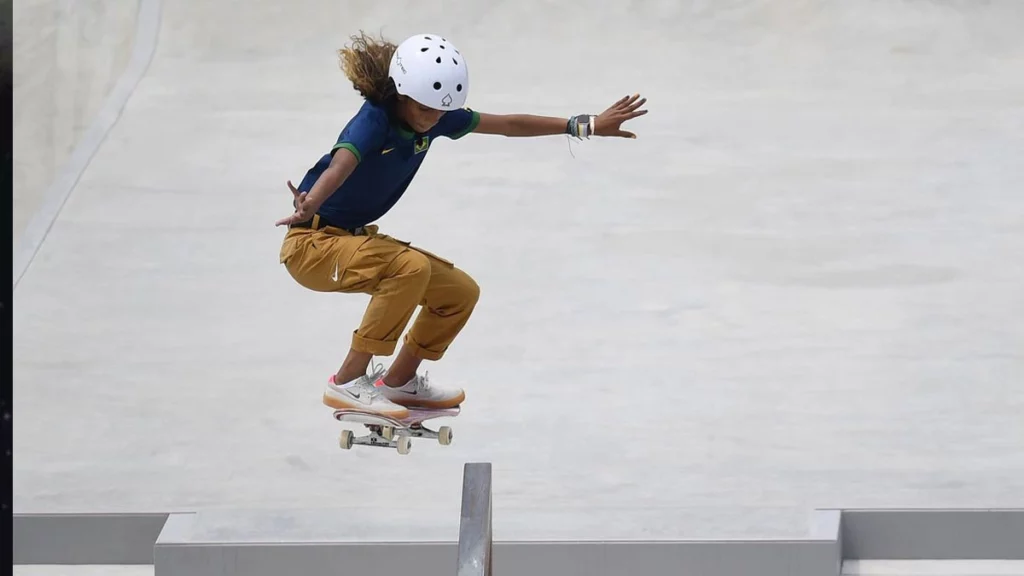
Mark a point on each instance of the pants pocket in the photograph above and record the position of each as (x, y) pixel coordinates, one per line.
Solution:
(429, 254)
(291, 245)
(318, 261)
(426, 253)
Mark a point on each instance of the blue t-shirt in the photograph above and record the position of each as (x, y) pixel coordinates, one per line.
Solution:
(389, 157)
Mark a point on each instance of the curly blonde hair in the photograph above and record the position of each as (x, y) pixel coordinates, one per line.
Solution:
(365, 63)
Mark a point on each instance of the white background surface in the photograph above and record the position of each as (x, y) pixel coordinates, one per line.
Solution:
(801, 286)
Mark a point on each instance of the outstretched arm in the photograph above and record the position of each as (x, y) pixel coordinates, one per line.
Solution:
(520, 125)
(525, 125)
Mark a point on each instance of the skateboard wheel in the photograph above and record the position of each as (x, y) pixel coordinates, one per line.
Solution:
(345, 441)
(387, 432)
(404, 445)
(444, 435)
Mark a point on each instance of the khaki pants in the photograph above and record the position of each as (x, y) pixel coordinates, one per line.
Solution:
(398, 276)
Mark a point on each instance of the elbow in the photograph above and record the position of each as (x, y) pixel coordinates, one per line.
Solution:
(334, 175)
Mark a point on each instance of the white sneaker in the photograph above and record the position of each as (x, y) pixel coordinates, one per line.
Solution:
(420, 393)
(362, 394)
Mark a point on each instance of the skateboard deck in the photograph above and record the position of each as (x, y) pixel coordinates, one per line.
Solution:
(385, 432)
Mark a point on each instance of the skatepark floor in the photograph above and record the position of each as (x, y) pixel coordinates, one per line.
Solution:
(799, 287)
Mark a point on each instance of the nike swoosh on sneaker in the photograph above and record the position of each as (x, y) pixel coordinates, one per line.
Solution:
(357, 395)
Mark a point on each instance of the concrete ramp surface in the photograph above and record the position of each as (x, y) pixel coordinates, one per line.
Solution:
(800, 287)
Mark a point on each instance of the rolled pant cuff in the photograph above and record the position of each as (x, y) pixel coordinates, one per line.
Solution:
(375, 347)
(420, 352)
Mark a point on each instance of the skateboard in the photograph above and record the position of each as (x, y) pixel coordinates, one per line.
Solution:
(396, 433)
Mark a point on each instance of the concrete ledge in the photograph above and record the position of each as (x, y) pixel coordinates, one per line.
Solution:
(195, 544)
(983, 534)
(310, 542)
(707, 558)
(86, 538)
(315, 542)
(537, 558)
(933, 568)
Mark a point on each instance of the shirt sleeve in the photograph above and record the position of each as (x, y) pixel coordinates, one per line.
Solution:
(457, 123)
(364, 134)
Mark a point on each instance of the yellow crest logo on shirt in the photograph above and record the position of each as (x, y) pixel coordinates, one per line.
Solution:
(421, 145)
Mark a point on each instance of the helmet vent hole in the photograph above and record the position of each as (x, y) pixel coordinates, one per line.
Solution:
(428, 37)
(438, 59)
(424, 49)
(456, 61)
(437, 85)
(458, 87)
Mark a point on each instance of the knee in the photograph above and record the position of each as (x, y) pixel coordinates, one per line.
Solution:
(468, 291)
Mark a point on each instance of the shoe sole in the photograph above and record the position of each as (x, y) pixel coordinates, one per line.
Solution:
(341, 404)
(432, 404)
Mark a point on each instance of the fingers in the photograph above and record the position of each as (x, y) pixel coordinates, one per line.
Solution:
(298, 198)
(628, 108)
(625, 109)
(624, 101)
(636, 104)
(295, 217)
(630, 102)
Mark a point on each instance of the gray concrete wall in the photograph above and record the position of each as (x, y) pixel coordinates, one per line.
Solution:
(261, 542)
(86, 538)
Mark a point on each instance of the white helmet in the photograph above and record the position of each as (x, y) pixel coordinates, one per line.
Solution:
(431, 71)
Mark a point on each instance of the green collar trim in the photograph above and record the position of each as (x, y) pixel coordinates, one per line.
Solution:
(403, 131)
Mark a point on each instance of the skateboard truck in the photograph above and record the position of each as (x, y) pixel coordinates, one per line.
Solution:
(385, 432)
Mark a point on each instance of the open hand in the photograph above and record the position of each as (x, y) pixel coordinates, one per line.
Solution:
(303, 211)
(608, 122)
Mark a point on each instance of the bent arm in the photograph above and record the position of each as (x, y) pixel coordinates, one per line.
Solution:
(342, 164)
(520, 125)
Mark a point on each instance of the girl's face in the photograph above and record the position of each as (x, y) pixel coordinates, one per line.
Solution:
(421, 118)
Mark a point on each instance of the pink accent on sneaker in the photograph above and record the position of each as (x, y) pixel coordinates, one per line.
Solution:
(379, 383)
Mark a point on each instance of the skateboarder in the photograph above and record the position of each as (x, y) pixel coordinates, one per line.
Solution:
(414, 94)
